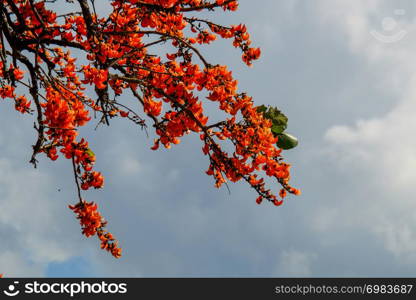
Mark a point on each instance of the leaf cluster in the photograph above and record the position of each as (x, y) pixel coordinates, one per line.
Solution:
(285, 141)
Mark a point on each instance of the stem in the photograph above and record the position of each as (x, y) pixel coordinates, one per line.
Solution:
(76, 180)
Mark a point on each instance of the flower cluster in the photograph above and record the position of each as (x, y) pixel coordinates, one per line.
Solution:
(96, 76)
(92, 223)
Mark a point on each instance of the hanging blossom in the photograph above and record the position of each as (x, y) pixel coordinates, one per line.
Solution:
(93, 223)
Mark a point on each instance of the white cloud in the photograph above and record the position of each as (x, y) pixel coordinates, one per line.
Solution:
(129, 166)
(295, 263)
(351, 17)
(34, 224)
(15, 265)
(380, 152)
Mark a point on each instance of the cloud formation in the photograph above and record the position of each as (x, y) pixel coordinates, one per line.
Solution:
(350, 99)
(381, 150)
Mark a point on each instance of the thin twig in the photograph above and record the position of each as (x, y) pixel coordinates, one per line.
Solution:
(76, 179)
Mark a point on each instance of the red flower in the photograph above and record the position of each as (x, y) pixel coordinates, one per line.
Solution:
(92, 223)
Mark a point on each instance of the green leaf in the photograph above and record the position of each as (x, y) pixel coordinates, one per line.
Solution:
(261, 108)
(277, 129)
(90, 153)
(286, 141)
(279, 120)
(277, 117)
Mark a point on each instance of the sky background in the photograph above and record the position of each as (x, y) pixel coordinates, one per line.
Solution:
(344, 73)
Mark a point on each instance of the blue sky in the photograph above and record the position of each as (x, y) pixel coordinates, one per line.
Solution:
(350, 98)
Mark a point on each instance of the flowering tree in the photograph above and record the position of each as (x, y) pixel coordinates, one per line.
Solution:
(63, 68)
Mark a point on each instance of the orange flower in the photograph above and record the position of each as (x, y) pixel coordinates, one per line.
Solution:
(6, 91)
(92, 223)
(22, 105)
(18, 74)
(259, 199)
(90, 218)
(152, 108)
